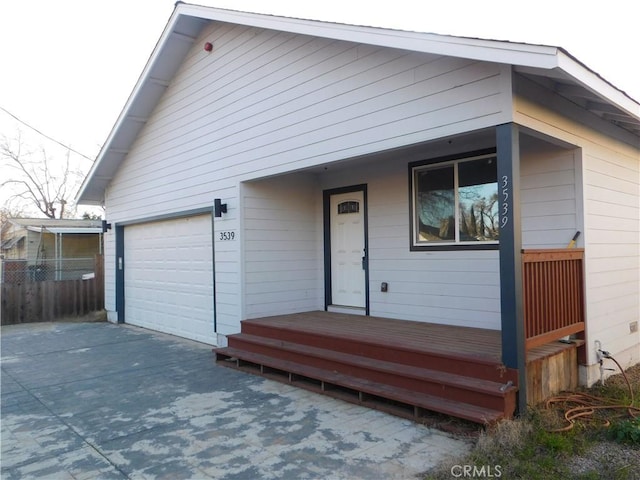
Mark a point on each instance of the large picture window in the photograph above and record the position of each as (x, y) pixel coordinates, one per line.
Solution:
(455, 202)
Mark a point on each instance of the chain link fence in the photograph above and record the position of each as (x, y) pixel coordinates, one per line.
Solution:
(22, 271)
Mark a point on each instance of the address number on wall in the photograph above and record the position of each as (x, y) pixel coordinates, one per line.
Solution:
(226, 236)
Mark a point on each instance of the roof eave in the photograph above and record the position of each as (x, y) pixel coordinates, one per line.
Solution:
(85, 195)
(597, 85)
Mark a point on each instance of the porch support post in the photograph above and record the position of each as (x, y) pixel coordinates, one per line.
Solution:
(513, 337)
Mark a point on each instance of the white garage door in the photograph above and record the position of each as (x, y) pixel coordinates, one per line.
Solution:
(168, 277)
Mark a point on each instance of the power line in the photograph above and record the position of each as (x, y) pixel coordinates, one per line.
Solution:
(44, 135)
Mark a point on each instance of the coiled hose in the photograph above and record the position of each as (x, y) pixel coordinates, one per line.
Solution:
(583, 406)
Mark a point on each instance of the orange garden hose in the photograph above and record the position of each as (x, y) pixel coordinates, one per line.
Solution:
(584, 406)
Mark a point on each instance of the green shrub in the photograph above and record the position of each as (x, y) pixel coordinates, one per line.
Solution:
(626, 431)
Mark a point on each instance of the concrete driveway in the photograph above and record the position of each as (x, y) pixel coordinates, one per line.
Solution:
(97, 400)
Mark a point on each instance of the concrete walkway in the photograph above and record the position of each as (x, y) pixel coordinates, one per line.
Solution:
(97, 400)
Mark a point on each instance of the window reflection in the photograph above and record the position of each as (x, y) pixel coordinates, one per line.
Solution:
(456, 202)
(436, 205)
(478, 200)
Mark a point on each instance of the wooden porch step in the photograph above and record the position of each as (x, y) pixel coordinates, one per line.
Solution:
(455, 387)
(365, 392)
(371, 345)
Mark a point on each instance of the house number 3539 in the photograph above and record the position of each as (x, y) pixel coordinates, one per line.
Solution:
(504, 207)
(227, 236)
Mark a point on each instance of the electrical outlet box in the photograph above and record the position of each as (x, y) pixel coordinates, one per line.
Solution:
(633, 327)
(384, 287)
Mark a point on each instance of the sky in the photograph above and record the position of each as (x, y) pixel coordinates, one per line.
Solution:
(68, 66)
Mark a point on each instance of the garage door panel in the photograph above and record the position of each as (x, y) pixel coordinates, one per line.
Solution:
(169, 277)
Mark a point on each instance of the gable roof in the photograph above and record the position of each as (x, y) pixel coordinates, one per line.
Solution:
(568, 76)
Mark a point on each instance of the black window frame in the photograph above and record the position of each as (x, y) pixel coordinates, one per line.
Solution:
(444, 246)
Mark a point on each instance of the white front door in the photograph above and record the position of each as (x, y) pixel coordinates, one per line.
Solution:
(348, 281)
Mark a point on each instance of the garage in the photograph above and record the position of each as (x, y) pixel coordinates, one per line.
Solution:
(168, 277)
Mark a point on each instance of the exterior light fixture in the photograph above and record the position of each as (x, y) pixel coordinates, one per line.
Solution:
(219, 208)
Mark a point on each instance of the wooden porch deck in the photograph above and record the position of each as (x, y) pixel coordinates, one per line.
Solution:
(386, 363)
(395, 365)
(474, 343)
(402, 367)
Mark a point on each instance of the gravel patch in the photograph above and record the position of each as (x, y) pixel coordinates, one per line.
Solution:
(608, 460)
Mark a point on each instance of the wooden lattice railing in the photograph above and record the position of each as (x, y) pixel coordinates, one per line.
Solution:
(553, 294)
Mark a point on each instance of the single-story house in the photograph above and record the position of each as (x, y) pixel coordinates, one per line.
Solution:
(49, 249)
(326, 175)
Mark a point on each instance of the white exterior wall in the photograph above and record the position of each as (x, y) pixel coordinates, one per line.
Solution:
(458, 287)
(612, 204)
(550, 196)
(611, 201)
(282, 253)
(266, 102)
(448, 287)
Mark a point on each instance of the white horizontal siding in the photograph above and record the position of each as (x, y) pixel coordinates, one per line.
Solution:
(610, 203)
(449, 287)
(455, 287)
(227, 277)
(281, 254)
(262, 103)
(549, 191)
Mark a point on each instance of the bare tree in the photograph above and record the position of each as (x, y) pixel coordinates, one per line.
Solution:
(7, 212)
(38, 180)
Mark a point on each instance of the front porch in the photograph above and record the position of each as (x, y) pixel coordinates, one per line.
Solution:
(402, 367)
(516, 297)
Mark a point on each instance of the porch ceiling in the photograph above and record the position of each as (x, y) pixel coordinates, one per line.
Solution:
(476, 140)
(457, 144)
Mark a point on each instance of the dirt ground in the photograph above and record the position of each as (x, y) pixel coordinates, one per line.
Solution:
(633, 374)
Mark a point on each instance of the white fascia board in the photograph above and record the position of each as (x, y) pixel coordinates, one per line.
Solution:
(476, 49)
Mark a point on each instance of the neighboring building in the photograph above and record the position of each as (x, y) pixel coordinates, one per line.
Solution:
(267, 165)
(50, 249)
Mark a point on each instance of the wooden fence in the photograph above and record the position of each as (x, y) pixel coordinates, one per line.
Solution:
(553, 294)
(50, 300)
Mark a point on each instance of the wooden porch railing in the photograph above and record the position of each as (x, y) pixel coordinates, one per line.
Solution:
(553, 294)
